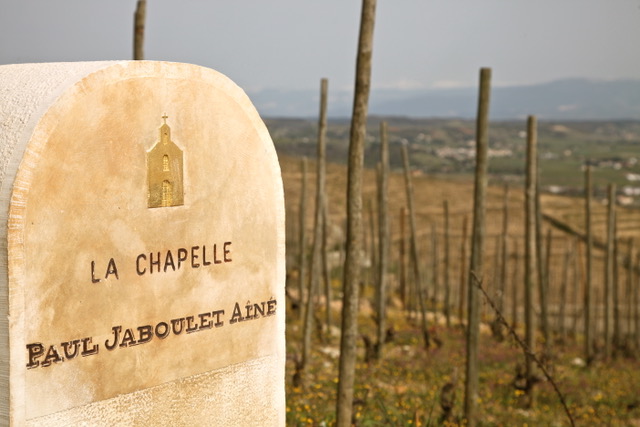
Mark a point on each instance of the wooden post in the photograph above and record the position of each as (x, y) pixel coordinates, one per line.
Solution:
(494, 274)
(321, 178)
(636, 302)
(617, 336)
(597, 315)
(498, 292)
(464, 274)
(504, 246)
(372, 240)
(349, 335)
(588, 338)
(515, 284)
(138, 29)
(530, 246)
(629, 289)
(417, 270)
(435, 264)
(383, 240)
(316, 252)
(302, 230)
(445, 278)
(326, 269)
(403, 259)
(578, 283)
(477, 248)
(541, 266)
(610, 288)
(608, 277)
(544, 290)
(561, 325)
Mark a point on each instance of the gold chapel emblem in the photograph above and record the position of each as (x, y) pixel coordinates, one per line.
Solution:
(165, 171)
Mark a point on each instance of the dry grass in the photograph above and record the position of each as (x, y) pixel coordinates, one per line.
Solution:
(431, 191)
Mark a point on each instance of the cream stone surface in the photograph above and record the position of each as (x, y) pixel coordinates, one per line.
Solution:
(124, 314)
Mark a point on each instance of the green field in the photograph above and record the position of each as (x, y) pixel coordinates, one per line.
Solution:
(613, 148)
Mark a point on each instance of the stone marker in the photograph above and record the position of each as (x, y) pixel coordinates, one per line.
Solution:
(142, 249)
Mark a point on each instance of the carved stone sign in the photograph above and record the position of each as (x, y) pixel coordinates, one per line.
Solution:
(142, 239)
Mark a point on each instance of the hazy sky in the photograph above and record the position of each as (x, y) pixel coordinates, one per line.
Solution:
(293, 43)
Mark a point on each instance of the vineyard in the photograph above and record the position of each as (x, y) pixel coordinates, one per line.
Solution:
(406, 385)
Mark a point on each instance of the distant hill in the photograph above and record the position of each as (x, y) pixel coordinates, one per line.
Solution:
(568, 99)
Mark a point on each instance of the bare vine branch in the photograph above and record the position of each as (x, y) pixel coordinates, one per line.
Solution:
(524, 347)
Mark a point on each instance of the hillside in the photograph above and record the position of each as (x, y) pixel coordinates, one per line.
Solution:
(569, 99)
(445, 147)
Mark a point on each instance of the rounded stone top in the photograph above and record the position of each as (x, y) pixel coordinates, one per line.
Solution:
(141, 256)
